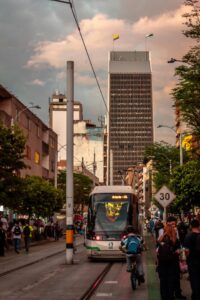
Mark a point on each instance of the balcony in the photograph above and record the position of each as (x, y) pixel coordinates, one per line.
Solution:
(45, 148)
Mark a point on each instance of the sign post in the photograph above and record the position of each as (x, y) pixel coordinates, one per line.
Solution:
(164, 196)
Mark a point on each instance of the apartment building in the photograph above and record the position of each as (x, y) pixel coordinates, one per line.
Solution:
(41, 141)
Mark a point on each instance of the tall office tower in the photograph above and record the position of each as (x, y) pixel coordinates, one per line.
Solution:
(130, 124)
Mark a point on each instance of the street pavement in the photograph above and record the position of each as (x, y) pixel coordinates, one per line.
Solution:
(116, 284)
(38, 251)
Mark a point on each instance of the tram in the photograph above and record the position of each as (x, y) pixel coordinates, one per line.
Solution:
(110, 210)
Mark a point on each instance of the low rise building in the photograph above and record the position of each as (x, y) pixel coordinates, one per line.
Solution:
(41, 141)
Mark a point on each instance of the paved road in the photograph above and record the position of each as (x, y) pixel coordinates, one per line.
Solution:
(52, 279)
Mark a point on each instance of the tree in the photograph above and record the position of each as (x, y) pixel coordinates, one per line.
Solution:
(40, 197)
(186, 94)
(82, 188)
(12, 143)
(186, 185)
(165, 158)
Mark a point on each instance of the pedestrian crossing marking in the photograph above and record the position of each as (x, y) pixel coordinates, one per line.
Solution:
(110, 282)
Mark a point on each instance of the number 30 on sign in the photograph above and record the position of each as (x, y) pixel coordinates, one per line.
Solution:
(164, 196)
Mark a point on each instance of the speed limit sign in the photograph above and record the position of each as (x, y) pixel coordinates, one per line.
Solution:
(164, 196)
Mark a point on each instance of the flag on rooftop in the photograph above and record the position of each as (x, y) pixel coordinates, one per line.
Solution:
(115, 37)
(149, 35)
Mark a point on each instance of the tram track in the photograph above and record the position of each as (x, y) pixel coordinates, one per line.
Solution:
(96, 283)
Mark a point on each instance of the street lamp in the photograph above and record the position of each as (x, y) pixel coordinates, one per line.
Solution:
(146, 37)
(180, 140)
(13, 120)
(173, 60)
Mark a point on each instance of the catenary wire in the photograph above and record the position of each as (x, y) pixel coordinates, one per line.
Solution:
(71, 3)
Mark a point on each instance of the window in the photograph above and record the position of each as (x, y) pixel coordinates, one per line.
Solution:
(17, 113)
(52, 166)
(38, 130)
(37, 157)
(28, 152)
(52, 142)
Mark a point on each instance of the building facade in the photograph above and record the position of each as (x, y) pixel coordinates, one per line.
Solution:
(130, 120)
(41, 142)
(58, 120)
(88, 147)
(88, 138)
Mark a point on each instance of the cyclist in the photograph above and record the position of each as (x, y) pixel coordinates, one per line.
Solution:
(133, 245)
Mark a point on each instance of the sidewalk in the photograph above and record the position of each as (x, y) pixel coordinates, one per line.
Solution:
(38, 251)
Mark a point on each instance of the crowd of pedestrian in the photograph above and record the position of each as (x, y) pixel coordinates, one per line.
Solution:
(13, 233)
(177, 244)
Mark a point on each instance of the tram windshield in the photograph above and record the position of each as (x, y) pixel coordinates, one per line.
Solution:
(110, 211)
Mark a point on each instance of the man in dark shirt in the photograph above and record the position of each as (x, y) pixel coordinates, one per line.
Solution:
(192, 246)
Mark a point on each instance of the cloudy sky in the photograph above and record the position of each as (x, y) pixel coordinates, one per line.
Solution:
(37, 37)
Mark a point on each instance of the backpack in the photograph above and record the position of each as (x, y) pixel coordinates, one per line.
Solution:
(166, 251)
(17, 230)
(133, 245)
(26, 231)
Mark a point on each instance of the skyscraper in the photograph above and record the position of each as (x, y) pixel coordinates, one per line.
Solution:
(130, 121)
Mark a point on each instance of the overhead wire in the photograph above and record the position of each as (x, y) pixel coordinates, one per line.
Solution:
(72, 6)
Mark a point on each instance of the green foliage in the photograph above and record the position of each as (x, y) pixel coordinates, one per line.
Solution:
(186, 185)
(82, 188)
(187, 92)
(39, 197)
(12, 143)
(165, 157)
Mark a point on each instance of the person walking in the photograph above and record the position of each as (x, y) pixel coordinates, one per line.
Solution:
(56, 231)
(167, 253)
(182, 231)
(172, 221)
(2, 240)
(192, 246)
(158, 225)
(27, 232)
(17, 235)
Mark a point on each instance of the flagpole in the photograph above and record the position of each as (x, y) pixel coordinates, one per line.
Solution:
(115, 37)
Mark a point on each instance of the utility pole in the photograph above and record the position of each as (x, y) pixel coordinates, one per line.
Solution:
(69, 166)
(94, 164)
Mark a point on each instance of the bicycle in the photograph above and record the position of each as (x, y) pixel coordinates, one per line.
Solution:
(134, 277)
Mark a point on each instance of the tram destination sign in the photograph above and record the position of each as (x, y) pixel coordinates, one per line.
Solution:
(164, 196)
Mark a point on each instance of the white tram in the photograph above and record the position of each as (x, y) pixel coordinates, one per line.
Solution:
(111, 209)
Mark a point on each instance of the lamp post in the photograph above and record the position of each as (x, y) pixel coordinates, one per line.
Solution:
(180, 140)
(14, 119)
(173, 60)
(146, 37)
